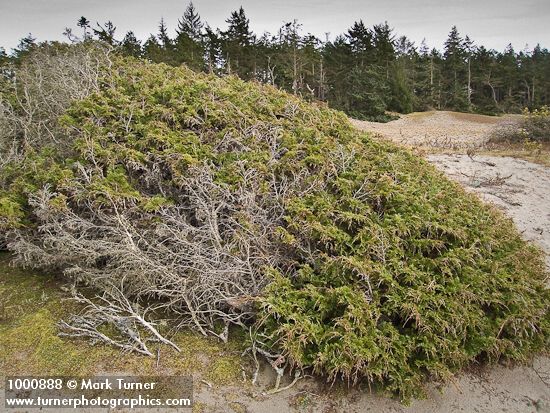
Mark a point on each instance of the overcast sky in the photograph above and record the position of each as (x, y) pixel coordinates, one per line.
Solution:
(492, 23)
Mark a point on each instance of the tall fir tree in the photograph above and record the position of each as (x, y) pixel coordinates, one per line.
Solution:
(189, 42)
(383, 42)
(25, 46)
(84, 24)
(424, 70)
(153, 51)
(190, 23)
(360, 39)
(213, 50)
(166, 44)
(238, 46)
(106, 32)
(455, 72)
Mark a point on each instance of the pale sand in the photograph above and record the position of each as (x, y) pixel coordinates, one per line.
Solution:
(439, 130)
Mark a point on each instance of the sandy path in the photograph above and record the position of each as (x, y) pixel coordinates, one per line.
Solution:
(487, 390)
(520, 188)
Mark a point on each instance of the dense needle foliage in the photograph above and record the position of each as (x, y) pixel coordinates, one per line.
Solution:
(378, 266)
(413, 277)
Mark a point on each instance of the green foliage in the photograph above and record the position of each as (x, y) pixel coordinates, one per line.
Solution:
(367, 99)
(402, 96)
(10, 212)
(363, 72)
(536, 124)
(392, 273)
(411, 277)
(533, 129)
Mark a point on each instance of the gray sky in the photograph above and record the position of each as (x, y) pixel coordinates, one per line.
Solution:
(492, 23)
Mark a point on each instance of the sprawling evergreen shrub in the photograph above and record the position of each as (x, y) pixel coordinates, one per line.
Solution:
(230, 202)
(533, 127)
(536, 124)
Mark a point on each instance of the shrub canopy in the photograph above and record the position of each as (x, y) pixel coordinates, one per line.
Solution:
(234, 203)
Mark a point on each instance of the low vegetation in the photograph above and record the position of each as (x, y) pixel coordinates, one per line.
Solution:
(29, 342)
(533, 129)
(230, 205)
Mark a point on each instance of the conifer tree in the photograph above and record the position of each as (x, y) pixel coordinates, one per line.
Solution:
(455, 72)
(360, 39)
(339, 62)
(106, 33)
(469, 50)
(508, 71)
(424, 70)
(26, 44)
(153, 51)
(191, 23)
(213, 50)
(189, 42)
(485, 83)
(84, 24)
(166, 44)
(163, 37)
(538, 75)
(130, 45)
(238, 46)
(290, 61)
(402, 77)
(383, 42)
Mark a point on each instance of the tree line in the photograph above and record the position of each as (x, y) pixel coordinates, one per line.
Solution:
(366, 72)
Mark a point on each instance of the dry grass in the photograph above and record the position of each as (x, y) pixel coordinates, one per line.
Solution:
(485, 119)
(539, 154)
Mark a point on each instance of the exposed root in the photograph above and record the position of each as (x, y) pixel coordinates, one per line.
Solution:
(277, 389)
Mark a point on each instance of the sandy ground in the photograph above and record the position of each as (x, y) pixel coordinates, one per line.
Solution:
(439, 130)
(496, 389)
(520, 188)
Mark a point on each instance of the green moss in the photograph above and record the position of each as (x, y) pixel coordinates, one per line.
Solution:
(34, 348)
(225, 370)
